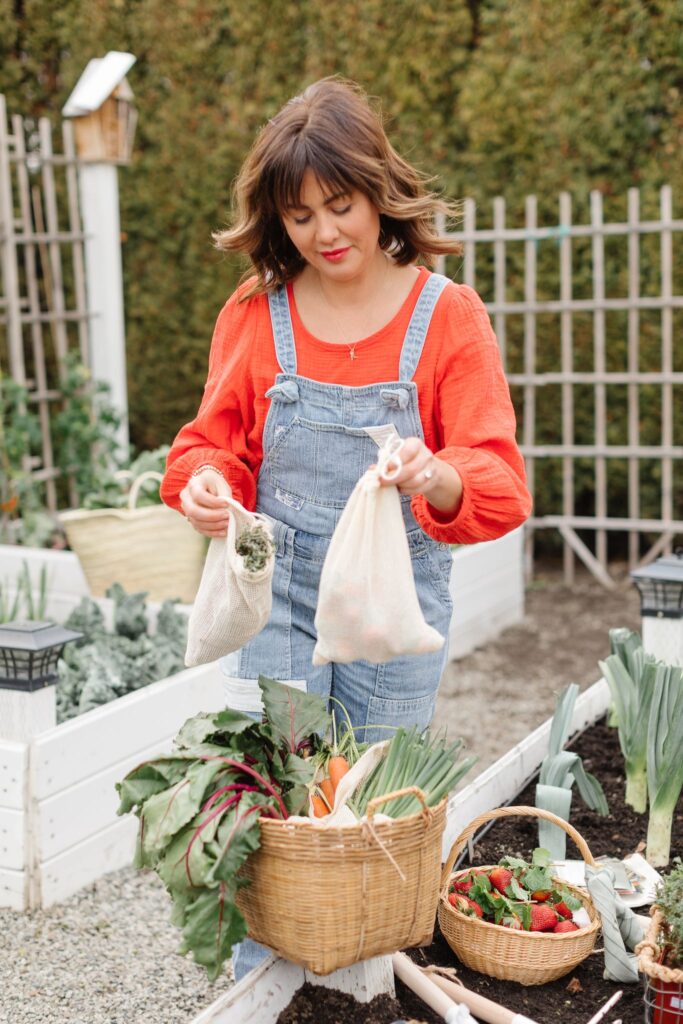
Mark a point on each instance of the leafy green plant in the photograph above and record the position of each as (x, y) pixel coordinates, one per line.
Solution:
(630, 674)
(105, 665)
(24, 605)
(669, 899)
(111, 485)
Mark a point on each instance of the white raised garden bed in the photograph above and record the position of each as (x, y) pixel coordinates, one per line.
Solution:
(58, 825)
(264, 993)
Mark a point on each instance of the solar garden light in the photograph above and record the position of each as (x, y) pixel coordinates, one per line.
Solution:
(29, 652)
(661, 606)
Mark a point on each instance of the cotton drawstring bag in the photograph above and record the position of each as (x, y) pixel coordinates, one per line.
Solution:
(234, 600)
(367, 603)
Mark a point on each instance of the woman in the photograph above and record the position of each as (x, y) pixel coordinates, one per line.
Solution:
(336, 342)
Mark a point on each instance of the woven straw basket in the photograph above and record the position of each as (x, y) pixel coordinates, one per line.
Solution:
(326, 898)
(151, 548)
(529, 958)
(663, 985)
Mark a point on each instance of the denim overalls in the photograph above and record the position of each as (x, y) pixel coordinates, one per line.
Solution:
(318, 440)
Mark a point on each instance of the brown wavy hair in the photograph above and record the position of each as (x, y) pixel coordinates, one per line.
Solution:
(331, 129)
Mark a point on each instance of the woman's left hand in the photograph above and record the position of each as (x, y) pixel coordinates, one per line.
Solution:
(423, 473)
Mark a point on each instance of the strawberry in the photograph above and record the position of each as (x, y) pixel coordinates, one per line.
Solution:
(543, 918)
(541, 895)
(566, 926)
(562, 909)
(463, 884)
(464, 904)
(500, 878)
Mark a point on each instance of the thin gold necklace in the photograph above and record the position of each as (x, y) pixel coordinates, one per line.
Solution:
(352, 345)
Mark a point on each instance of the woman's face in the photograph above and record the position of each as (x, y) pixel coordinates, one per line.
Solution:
(337, 234)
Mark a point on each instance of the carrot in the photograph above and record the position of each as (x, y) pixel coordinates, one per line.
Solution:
(320, 808)
(327, 789)
(337, 766)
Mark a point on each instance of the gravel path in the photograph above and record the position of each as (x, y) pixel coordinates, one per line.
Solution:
(105, 956)
(108, 955)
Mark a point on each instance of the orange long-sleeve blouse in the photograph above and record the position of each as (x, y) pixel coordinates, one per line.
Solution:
(463, 399)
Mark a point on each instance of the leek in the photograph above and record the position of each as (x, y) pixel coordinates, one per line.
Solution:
(664, 760)
(413, 759)
(622, 642)
(630, 674)
(560, 769)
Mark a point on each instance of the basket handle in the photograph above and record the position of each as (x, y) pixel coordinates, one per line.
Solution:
(376, 801)
(510, 812)
(151, 474)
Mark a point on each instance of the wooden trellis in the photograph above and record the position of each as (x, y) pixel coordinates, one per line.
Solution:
(43, 312)
(491, 248)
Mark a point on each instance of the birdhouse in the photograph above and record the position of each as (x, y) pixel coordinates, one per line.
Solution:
(101, 106)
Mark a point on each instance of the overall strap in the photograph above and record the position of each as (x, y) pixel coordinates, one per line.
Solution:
(281, 319)
(413, 343)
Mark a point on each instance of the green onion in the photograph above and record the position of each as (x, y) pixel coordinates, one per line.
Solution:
(664, 760)
(414, 759)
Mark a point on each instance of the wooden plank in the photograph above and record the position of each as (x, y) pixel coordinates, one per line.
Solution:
(78, 238)
(500, 783)
(55, 284)
(12, 839)
(8, 255)
(645, 227)
(598, 569)
(12, 889)
(499, 275)
(88, 807)
(599, 341)
(469, 247)
(258, 998)
(615, 523)
(567, 361)
(109, 850)
(103, 737)
(666, 258)
(39, 366)
(13, 768)
(529, 400)
(633, 363)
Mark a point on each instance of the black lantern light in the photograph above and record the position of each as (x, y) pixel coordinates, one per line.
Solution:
(661, 587)
(29, 652)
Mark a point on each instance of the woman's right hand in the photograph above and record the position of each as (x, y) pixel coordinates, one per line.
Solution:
(203, 502)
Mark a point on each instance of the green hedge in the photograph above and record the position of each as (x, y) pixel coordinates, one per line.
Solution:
(495, 98)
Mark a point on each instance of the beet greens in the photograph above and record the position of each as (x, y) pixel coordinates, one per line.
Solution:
(200, 808)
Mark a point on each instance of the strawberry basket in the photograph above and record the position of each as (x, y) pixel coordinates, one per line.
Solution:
(529, 958)
(326, 898)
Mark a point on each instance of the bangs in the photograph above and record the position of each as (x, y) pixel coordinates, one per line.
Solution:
(333, 172)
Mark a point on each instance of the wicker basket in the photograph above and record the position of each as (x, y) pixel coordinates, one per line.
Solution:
(152, 548)
(529, 958)
(663, 985)
(325, 898)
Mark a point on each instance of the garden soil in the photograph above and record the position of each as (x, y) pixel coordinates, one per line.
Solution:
(573, 999)
(493, 698)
